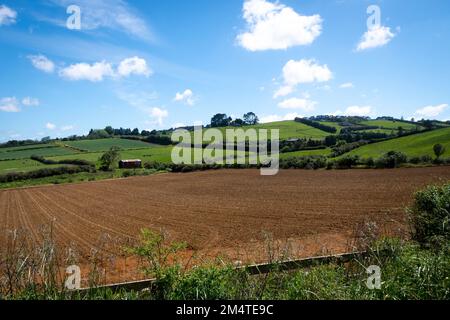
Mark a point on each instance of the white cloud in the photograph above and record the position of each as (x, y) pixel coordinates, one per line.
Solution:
(42, 63)
(9, 104)
(431, 111)
(50, 126)
(283, 91)
(274, 26)
(375, 37)
(7, 15)
(275, 117)
(143, 102)
(134, 65)
(305, 71)
(97, 71)
(158, 115)
(300, 72)
(359, 111)
(347, 85)
(187, 97)
(116, 15)
(30, 102)
(297, 103)
(67, 128)
(84, 71)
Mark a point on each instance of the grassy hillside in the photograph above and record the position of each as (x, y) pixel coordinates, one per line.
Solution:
(288, 129)
(322, 152)
(386, 124)
(106, 144)
(414, 145)
(22, 165)
(39, 150)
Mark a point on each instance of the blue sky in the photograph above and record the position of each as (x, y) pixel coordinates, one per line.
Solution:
(158, 64)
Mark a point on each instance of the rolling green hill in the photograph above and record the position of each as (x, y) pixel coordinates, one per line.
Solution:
(22, 165)
(414, 145)
(386, 124)
(288, 130)
(39, 150)
(105, 144)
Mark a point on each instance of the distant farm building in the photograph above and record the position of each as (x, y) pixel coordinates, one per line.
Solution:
(130, 164)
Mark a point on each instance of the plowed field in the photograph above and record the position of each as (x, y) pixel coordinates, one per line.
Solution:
(218, 211)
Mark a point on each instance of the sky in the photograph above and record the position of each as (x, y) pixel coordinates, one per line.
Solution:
(68, 66)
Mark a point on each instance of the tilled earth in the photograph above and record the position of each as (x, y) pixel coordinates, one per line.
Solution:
(223, 211)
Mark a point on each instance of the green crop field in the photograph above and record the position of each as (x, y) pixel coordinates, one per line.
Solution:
(22, 165)
(106, 144)
(288, 130)
(38, 150)
(161, 154)
(414, 145)
(386, 124)
(305, 153)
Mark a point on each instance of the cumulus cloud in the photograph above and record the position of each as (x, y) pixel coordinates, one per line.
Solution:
(275, 117)
(7, 15)
(300, 72)
(158, 115)
(431, 111)
(347, 85)
(134, 65)
(30, 102)
(9, 104)
(297, 103)
(187, 97)
(274, 26)
(359, 111)
(50, 126)
(98, 71)
(283, 91)
(42, 63)
(375, 37)
(83, 71)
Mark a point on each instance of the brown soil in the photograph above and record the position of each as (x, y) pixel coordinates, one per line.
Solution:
(218, 212)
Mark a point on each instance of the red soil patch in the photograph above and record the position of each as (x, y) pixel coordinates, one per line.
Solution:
(218, 212)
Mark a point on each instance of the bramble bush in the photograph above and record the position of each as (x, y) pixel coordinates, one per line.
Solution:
(430, 217)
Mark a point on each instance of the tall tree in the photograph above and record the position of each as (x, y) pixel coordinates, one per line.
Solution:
(250, 118)
(220, 120)
(109, 158)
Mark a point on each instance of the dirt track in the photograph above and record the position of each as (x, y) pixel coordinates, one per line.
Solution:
(219, 210)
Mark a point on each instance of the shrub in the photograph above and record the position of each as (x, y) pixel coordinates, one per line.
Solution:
(128, 173)
(392, 159)
(347, 162)
(430, 216)
(317, 125)
(343, 148)
(159, 166)
(310, 162)
(439, 150)
(42, 173)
